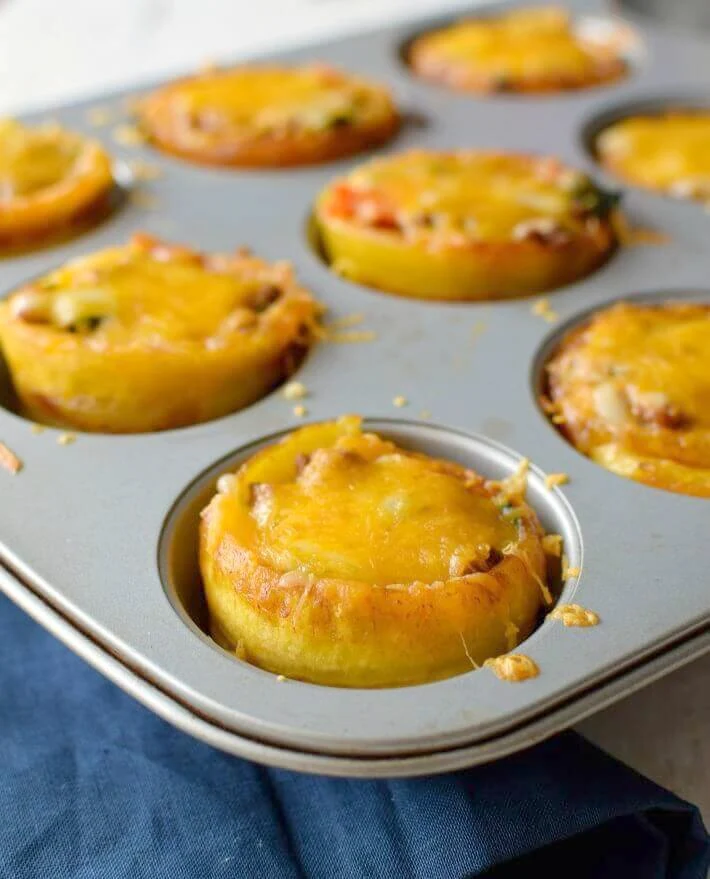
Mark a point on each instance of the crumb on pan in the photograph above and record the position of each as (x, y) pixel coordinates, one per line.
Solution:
(143, 170)
(634, 236)
(552, 480)
(294, 391)
(425, 414)
(127, 135)
(399, 401)
(331, 333)
(299, 411)
(574, 615)
(478, 329)
(37, 428)
(280, 678)
(66, 439)
(513, 667)
(9, 460)
(543, 309)
(347, 321)
(144, 200)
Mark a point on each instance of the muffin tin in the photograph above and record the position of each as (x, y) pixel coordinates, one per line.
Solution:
(98, 536)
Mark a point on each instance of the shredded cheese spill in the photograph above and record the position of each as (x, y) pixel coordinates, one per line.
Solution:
(280, 678)
(144, 170)
(552, 544)
(399, 401)
(552, 480)
(542, 309)
(567, 571)
(513, 667)
(127, 135)
(467, 652)
(574, 615)
(516, 484)
(545, 589)
(9, 460)
(66, 439)
(294, 391)
(347, 321)
(634, 236)
(143, 200)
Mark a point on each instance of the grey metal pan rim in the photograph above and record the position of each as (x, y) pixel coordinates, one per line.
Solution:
(180, 716)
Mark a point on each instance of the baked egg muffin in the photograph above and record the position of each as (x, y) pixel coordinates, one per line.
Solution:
(334, 556)
(149, 336)
(50, 179)
(631, 389)
(264, 117)
(533, 49)
(465, 225)
(668, 152)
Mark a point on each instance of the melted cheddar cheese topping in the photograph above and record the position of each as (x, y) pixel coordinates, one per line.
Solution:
(461, 197)
(530, 49)
(632, 391)
(363, 509)
(272, 99)
(668, 152)
(145, 295)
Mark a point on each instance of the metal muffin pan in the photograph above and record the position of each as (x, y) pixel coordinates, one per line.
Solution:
(96, 536)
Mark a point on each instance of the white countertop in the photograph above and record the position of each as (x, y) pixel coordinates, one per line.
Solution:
(53, 51)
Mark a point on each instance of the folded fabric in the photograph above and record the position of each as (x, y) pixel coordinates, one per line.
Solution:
(93, 785)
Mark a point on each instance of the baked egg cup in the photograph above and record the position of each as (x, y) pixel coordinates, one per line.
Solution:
(336, 557)
(465, 225)
(151, 336)
(269, 117)
(630, 389)
(533, 50)
(50, 180)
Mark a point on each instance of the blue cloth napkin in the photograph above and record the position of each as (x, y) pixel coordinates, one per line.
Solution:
(93, 786)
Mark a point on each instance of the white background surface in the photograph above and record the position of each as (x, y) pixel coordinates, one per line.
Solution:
(56, 50)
